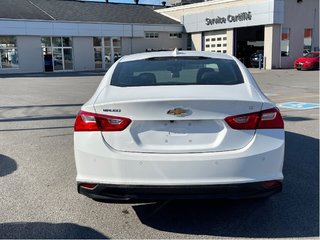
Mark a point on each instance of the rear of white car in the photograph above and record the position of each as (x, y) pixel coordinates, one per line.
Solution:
(176, 125)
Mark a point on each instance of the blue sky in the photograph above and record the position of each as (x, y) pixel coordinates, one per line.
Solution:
(155, 2)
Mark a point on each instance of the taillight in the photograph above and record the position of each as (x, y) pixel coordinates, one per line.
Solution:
(87, 121)
(270, 118)
(271, 184)
(88, 185)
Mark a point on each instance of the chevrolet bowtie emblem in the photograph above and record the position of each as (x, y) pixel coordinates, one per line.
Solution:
(177, 112)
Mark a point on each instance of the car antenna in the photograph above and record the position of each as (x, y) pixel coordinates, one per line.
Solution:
(175, 52)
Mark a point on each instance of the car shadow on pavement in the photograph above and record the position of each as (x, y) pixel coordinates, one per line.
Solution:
(42, 230)
(34, 129)
(42, 106)
(292, 213)
(296, 118)
(37, 118)
(7, 165)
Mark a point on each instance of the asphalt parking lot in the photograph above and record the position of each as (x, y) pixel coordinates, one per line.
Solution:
(37, 172)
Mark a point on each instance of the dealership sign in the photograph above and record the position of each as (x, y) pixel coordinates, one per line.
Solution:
(223, 16)
(245, 16)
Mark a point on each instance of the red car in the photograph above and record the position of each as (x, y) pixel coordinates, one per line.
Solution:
(310, 61)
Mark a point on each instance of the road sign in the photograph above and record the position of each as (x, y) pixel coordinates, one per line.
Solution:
(298, 105)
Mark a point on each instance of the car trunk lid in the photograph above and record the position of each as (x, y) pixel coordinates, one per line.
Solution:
(178, 119)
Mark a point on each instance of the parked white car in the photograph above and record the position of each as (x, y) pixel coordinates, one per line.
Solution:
(178, 125)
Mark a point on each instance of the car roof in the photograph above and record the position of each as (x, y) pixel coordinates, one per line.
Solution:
(174, 53)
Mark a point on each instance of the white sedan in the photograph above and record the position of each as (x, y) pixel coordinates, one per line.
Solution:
(178, 125)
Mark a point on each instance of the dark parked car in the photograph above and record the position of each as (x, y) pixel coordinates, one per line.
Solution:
(254, 59)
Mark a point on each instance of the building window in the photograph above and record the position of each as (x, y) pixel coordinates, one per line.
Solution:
(112, 48)
(151, 35)
(116, 42)
(307, 40)
(57, 53)
(107, 50)
(8, 52)
(175, 35)
(285, 39)
(97, 47)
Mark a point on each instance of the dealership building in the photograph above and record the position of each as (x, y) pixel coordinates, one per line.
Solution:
(280, 29)
(66, 35)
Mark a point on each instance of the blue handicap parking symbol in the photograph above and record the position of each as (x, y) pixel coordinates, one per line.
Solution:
(298, 105)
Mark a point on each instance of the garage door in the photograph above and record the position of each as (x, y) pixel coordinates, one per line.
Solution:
(215, 41)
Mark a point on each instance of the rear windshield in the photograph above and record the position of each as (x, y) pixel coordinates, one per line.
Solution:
(176, 71)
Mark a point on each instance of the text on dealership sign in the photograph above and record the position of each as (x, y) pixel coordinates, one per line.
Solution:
(245, 16)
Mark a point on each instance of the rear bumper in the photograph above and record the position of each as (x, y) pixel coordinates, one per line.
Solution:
(107, 192)
(261, 160)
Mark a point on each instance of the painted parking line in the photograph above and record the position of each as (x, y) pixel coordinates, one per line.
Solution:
(295, 97)
(298, 105)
